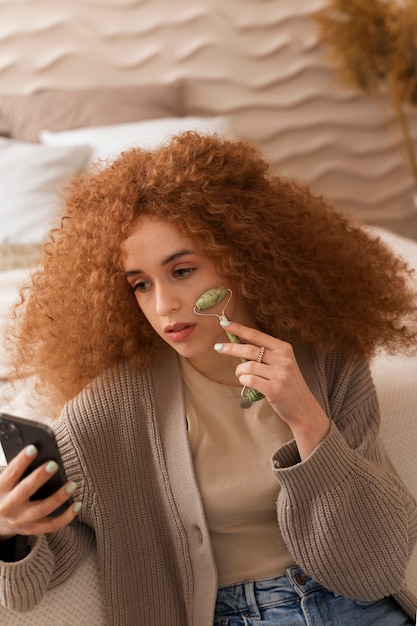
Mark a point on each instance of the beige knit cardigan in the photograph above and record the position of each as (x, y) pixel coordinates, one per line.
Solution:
(343, 512)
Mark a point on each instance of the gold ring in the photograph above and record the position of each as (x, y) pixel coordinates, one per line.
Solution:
(260, 356)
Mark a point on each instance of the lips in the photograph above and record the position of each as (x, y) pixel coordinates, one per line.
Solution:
(180, 331)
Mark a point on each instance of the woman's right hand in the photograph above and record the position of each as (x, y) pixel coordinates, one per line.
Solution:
(21, 516)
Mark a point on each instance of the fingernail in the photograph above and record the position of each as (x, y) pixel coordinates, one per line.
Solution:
(224, 322)
(218, 346)
(51, 467)
(71, 487)
(31, 450)
(77, 507)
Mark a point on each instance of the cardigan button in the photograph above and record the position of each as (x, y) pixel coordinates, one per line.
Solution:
(199, 535)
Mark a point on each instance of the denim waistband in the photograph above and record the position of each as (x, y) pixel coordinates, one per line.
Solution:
(255, 594)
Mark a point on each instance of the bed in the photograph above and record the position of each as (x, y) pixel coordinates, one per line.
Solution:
(396, 382)
(77, 85)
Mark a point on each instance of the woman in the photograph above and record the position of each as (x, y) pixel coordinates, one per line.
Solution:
(207, 508)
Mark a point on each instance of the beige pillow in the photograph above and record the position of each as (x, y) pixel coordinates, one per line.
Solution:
(17, 255)
(26, 115)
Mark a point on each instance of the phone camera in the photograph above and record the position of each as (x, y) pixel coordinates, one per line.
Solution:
(9, 432)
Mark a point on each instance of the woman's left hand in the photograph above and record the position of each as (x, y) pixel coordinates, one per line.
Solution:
(279, 378)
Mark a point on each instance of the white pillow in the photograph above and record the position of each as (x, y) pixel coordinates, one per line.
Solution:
(31, 177)
(106, 142)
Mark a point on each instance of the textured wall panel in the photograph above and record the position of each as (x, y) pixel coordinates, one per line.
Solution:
(258, 61)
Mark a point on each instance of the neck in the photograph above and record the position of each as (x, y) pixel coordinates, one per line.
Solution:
(218, 368)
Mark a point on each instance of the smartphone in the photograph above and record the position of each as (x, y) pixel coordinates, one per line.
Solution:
(15, 434)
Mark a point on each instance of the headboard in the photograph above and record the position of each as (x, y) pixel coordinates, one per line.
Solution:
(257, 61)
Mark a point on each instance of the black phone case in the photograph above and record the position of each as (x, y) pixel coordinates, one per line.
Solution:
(16, 433)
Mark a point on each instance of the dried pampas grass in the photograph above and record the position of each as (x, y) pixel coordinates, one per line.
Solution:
(373, 46)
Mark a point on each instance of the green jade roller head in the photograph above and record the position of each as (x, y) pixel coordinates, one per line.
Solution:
(209, 299)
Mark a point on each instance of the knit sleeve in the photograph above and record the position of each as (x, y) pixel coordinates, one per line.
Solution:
(25, 578)
(344, 513)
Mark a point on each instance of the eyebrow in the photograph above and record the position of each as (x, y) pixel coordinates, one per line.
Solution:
(172, 257)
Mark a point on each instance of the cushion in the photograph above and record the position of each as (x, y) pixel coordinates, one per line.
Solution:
(27, 114)
(106, 142)
(31, 177)
(17, 255)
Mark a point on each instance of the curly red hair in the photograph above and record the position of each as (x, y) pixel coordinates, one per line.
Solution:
(307, 272)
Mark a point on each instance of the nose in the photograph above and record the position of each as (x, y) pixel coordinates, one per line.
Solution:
(165, 300)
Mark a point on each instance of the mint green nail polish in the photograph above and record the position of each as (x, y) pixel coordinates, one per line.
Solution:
(71, 487)
(218, 346)
(31, 450)
(51, 467)
(77, 507)
(224, 322)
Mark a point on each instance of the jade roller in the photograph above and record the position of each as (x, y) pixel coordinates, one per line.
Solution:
(208, 300)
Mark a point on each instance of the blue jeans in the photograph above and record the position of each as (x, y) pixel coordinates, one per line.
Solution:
(297, 600)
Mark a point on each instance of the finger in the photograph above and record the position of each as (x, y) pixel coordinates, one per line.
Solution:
(29, 485)
(13, 473)
(246, 352)
(49, 507)
(16, 504)
(251, 335)
(35, 525)
(251, 374)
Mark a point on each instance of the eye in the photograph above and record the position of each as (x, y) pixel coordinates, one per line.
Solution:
(143, 285)
(183, 272)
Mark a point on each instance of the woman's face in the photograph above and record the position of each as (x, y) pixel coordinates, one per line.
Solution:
(168, 274)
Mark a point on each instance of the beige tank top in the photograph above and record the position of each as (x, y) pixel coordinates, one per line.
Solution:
(232, 449)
